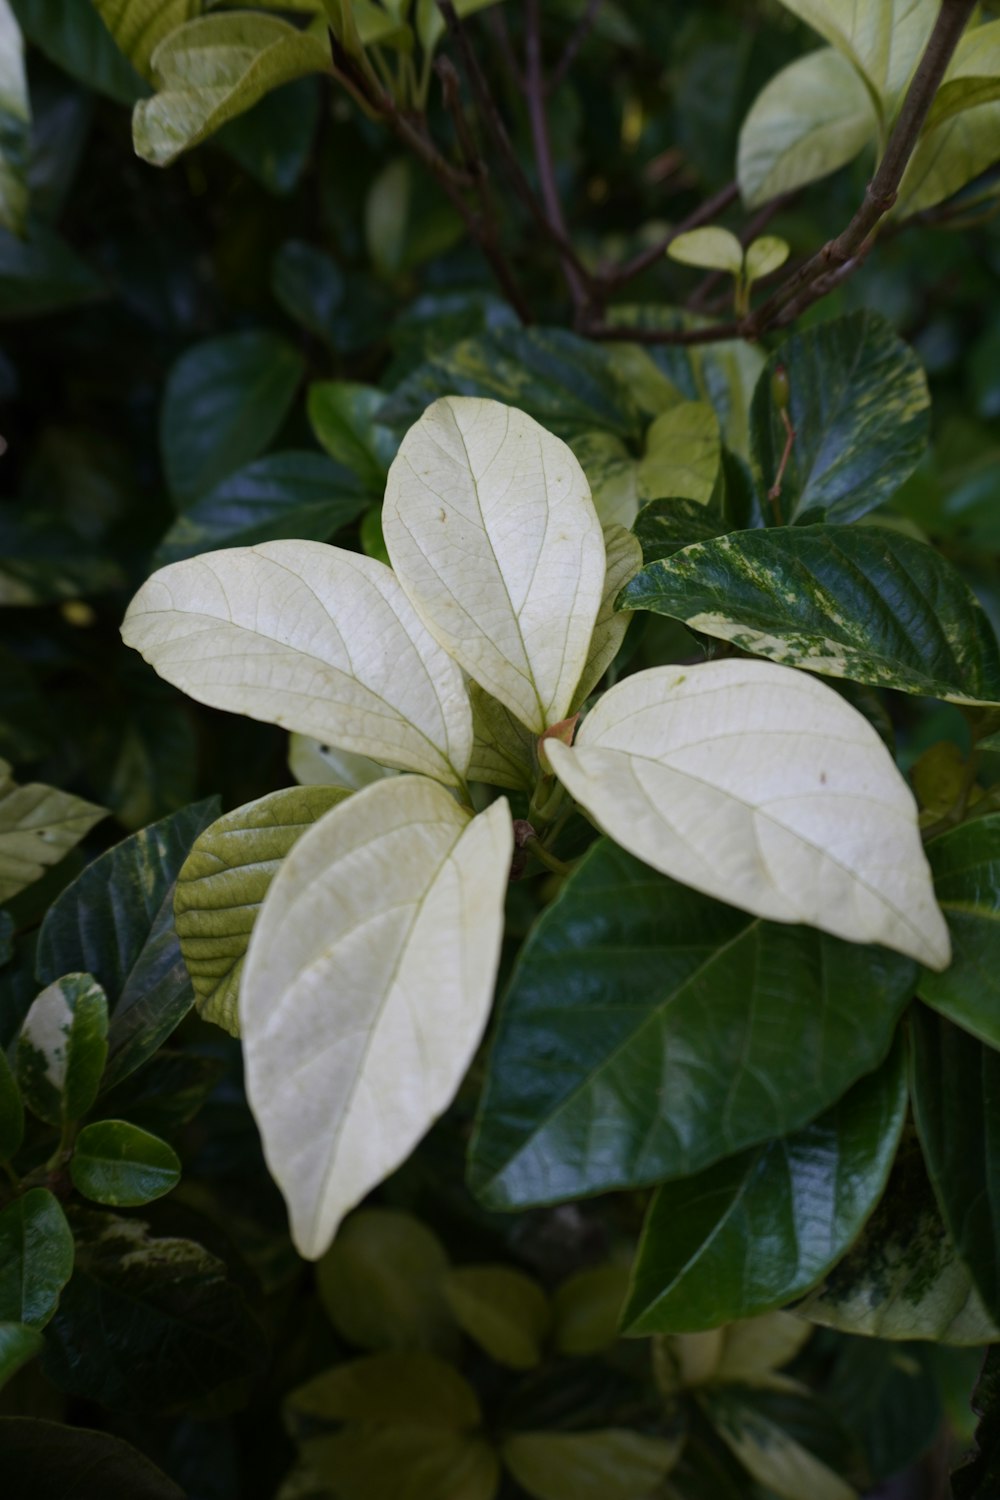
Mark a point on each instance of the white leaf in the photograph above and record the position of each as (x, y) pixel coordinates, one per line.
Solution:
(762, 787)
(624, 556)
(491, 529)
(882, 38)
(313, 764)
(366, 989)
(316, 639)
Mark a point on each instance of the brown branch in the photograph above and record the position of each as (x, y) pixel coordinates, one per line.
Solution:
(493, 122)
(577, 38)
(616, 276)
(628, 333)
(535, 95)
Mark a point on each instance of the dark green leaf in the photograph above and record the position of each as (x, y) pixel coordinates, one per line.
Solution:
(273, 140)
(36, 1258)
(76, 39)
(116, 922)
(116, 1163)
(142, 751)
(966, 866)
(759, 1437)
(62, 1049)
(859, 405)
(502, 1310)
(564, 382)
(18, 1345)
(300, 495)
(902, 1278)
(758, 1229)
(310, 287)
(647, 1033)
(387, 1390)
(847, 601)
(165, 1094)
(224, 401)
(224, 881)
(41, 274)
(11, 1111)
(664, 527)
(381, 1284)
(42, 562)
(406, 1463)
(956, 1104)
(343, 417)
(148, 1323)
(586, 1309)
(610, 1464)
(978, 1477)
(48, 1459)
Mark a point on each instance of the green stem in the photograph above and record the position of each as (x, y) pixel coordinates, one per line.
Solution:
(547, 858)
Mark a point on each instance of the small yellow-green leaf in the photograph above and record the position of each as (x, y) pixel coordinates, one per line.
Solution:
(38, 825)
(755, 1346)
(764, 255)
(213, 69)
(406, 1463)
(586, 1309)
(948, 157)
(122, 1166)
(683, 450)
(610, 1464)
(811, 118)
(503, 1310)
(223, 882)
(493, 534)
(711, 248)
(381, 1283)
(391, 1390)
(366, 988)
(62, 1049)
(139, 26)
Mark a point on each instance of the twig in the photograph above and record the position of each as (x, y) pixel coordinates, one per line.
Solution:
(498, 130)
(577, 38)
(610, 280)
(710, 333)
(535, 95)
(496, 20)
(747, 235)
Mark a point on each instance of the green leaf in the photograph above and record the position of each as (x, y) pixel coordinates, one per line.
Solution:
(858, 403)
(664, 527)
(683, 451)
(646, 1033)
(223, 882)
(15, 124)
(50, 1458)
(148, 1323)
(42, 274)
(430, 22)
(76, 39)
(902, 1278)
(62, 1049)
(18, 1345)
(568, 384)
(36, 1258)
(381, 1283)
(863, 603)
(280, 495)
(623, 559)
(38, 827)
(966, 866)
(711, 248)
(504, 1311)
(757, 1229)
(883, 40)
(949, 157)
(406, 1463)
(978, 1474)
(11, 1111)
(138, 26)
(116, 922)
(612, 473)
(224, 401)
(212, 70)
(611, 1464)
(765, 256)
(407, 219)
(769, 1453)
(273, 141)
(955, 1084)
(389, 1390)
(165, 1094)
(343, 416)
(309, 285)
(118, 1164)
(811, 118)
(973, 75)
(504, 751)
(586, 1309)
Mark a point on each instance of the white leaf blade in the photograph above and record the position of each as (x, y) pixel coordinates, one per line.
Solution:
(271, 632)
(490, 525)
(763, 788)
(366, 989)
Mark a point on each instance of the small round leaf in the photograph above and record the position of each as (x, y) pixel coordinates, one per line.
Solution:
(119, 1164)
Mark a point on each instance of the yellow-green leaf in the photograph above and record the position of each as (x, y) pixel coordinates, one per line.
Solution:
(765, 255)
(624, 559)
(610, 1464)
(503, 1310)
(139, 26)
(882, 38)
(711, 248)
(38, 826)
(381, 1283)
(683, 451)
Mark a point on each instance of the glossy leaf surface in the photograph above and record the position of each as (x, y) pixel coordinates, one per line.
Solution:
(116, 1163)
(62, 1049)
(36, 1258)
(966, 867)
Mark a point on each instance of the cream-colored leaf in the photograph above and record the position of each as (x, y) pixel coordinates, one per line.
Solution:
(765, 255)
(882, 38)
(683, 451)
(314, 764)
(316, 639)
(624, 559)
(613, 1463)
(503, 750)
(711, 248)
(775, 1459)
(491, 529)
(761, 786)
(366, 988)
(612, 474)
(38, 825)
(808, 120)
(756, 1346)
